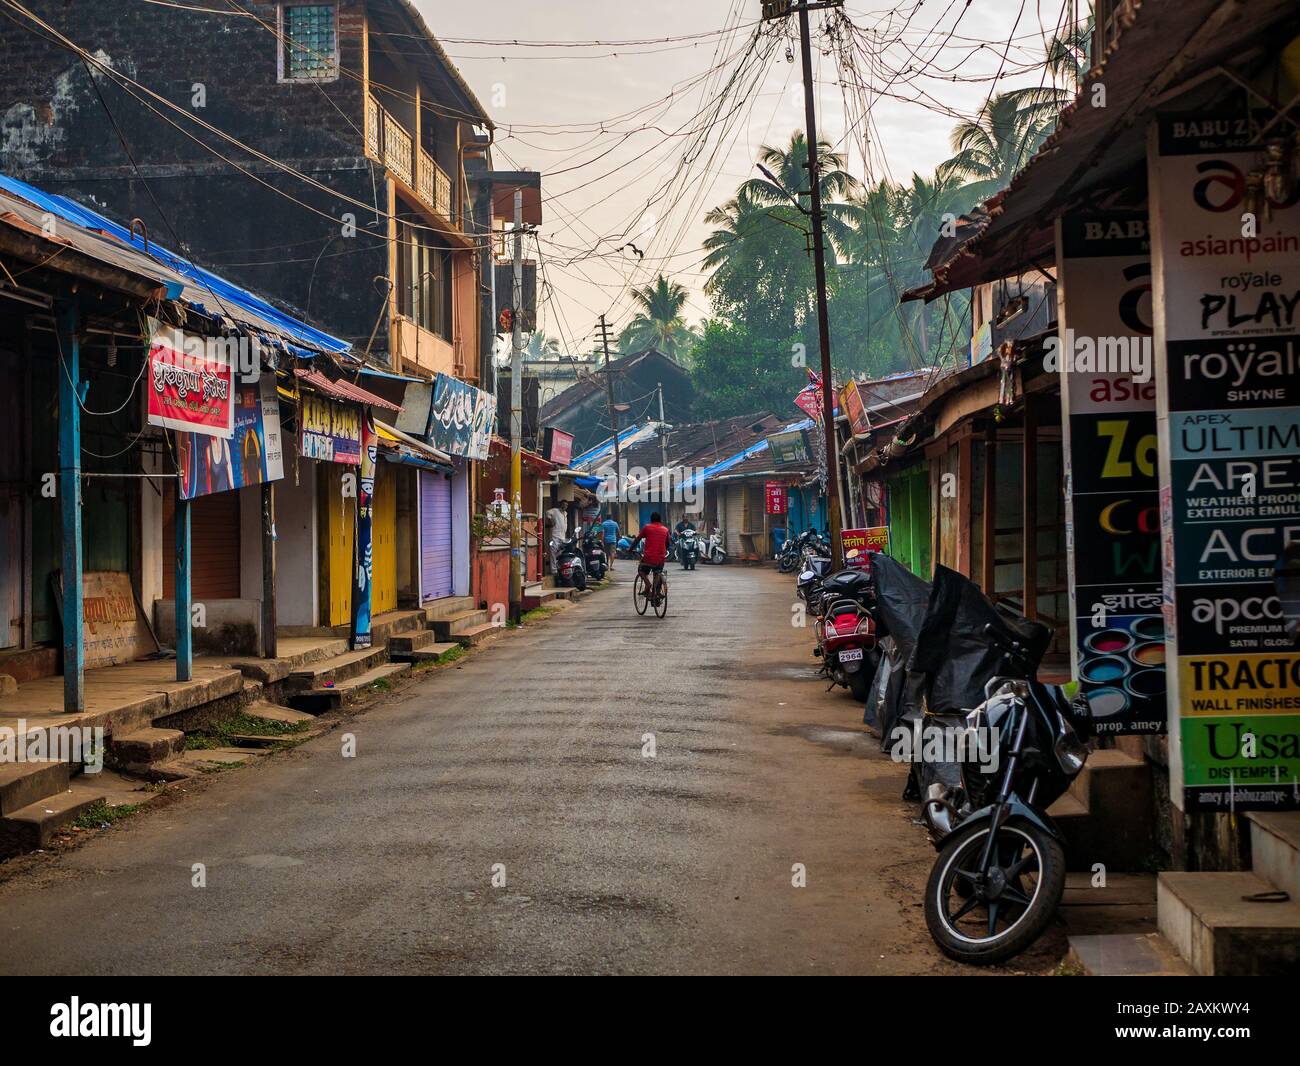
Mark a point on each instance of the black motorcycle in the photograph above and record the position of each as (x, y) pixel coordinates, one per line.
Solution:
(1000, 872)
(593, 553)
(570, 565)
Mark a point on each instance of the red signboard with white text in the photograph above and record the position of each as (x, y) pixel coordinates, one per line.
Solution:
(188, 389)
(775, 494)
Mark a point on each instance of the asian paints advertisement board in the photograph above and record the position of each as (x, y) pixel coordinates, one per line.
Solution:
(1227, 331)
(1103, 353)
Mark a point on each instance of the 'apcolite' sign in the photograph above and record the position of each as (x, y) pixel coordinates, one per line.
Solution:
(1227, 316)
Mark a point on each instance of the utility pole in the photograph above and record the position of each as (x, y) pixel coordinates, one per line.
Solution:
(613, 417)
(775, 9)
(663, 451)
(516, 418)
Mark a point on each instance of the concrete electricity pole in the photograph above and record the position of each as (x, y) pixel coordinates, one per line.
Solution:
(777, 9)
(613, 417)
(516, 418)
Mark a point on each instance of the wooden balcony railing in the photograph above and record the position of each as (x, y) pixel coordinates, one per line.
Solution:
(388, 141)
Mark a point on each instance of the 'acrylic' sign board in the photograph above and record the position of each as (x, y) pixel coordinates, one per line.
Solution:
(1103, 354)
(1227, 332)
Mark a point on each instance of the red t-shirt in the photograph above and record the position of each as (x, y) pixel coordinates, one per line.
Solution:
(655, 536)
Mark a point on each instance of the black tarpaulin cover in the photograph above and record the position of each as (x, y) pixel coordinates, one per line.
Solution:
(953, 650)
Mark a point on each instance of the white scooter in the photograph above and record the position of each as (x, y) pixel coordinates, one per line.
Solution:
(715, 549)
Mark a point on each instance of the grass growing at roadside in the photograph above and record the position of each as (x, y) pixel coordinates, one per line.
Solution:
(537, 614)
(218, 735)
(100, 814)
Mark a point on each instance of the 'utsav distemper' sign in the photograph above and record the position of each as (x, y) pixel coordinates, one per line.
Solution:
(1227, 330)
(1104, 355)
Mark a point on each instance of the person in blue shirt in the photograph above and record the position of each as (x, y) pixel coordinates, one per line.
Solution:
(609, 529)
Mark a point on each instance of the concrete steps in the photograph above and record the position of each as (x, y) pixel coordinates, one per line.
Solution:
(1108, 815)
(1219, 931)
(430, 653)
(453, 626)
(328, 697)
(336, 669)
(475, 634)
(538, 595)
(1275, 849)
(34, 825)
(24, 783)
(146, 751)
(408, 642)
(436, 610)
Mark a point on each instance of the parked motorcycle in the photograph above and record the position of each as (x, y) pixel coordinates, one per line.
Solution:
(1000, 871)
(715, 550)
(787, 559)
(688, 548)
(846, 631)
(570, 565)
(593, 553)
(623, 549)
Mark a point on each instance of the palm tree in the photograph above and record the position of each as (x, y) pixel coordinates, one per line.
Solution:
(993, 146)
(658, 322)
(540, 346)
(789, 165)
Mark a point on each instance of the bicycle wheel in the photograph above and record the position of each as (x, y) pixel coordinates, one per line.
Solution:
(661, 601)
(640, 594)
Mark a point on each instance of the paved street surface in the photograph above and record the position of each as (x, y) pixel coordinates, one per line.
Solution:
(529, 755)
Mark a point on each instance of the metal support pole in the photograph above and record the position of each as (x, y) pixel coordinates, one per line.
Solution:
(613, 420)
(74, 641)
(184, 636)
(823, 316)
(516, 419)
(268, 570)
(663, 453)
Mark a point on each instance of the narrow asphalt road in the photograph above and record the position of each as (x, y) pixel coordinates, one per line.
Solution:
(529, 755)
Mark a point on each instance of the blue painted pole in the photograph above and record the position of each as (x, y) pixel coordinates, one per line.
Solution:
(184, 637)
(74, 640)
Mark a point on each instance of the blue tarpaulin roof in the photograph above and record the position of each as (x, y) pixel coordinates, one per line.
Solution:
(607, 445)
(741, 456)
(211, 294)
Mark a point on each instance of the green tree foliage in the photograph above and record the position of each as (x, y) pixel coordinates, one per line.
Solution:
(658, 322)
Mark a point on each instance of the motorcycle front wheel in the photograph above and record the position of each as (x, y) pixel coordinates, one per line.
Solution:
(990, 924)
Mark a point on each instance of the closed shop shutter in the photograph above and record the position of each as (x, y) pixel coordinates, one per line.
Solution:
(383, 533)
(735, 521)
(214, 546)
(435, 535)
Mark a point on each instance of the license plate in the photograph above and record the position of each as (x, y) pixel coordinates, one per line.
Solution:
(850, 655)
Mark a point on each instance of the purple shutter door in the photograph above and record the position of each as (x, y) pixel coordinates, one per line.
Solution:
(435, 535)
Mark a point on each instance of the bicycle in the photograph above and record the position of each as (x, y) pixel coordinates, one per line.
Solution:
(645, 593)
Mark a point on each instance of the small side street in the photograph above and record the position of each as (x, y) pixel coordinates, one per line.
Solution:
(614, 862)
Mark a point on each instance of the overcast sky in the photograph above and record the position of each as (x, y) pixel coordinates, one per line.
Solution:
(569, 113)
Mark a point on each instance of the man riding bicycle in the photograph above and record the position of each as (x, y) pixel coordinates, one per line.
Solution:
(655, 535)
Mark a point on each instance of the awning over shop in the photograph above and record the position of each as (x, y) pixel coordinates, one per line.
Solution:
(399, 447)
(343, 391)
(206, 292)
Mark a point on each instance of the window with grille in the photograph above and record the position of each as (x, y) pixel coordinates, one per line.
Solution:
(424, 290)
(309, 42)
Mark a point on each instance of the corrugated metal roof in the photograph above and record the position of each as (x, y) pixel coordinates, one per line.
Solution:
(342, 390)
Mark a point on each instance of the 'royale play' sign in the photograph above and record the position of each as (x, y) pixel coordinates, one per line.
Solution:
(1108, 426)
(1227, 324)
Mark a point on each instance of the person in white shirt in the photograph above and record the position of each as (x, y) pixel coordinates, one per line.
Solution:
(558, 523)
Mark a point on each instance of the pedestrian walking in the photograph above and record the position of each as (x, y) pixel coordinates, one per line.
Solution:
(609, 531)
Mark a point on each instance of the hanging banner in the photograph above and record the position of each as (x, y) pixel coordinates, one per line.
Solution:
(857, 544)
(774, 494)
(461, 418)
(1104, 357)
(254, 455)
(1227, 330)
(363, 567)
(189, 388)
(789, 448)
(330, 432)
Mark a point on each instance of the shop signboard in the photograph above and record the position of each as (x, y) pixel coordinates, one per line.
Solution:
(254, 455)
(330, 432)
(461, 418)
(189, 388)
(789, 448)
(1105, 362)
(859, 543)
(558, 446)
(851, 404)
(1227, 331)
(775, 496)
